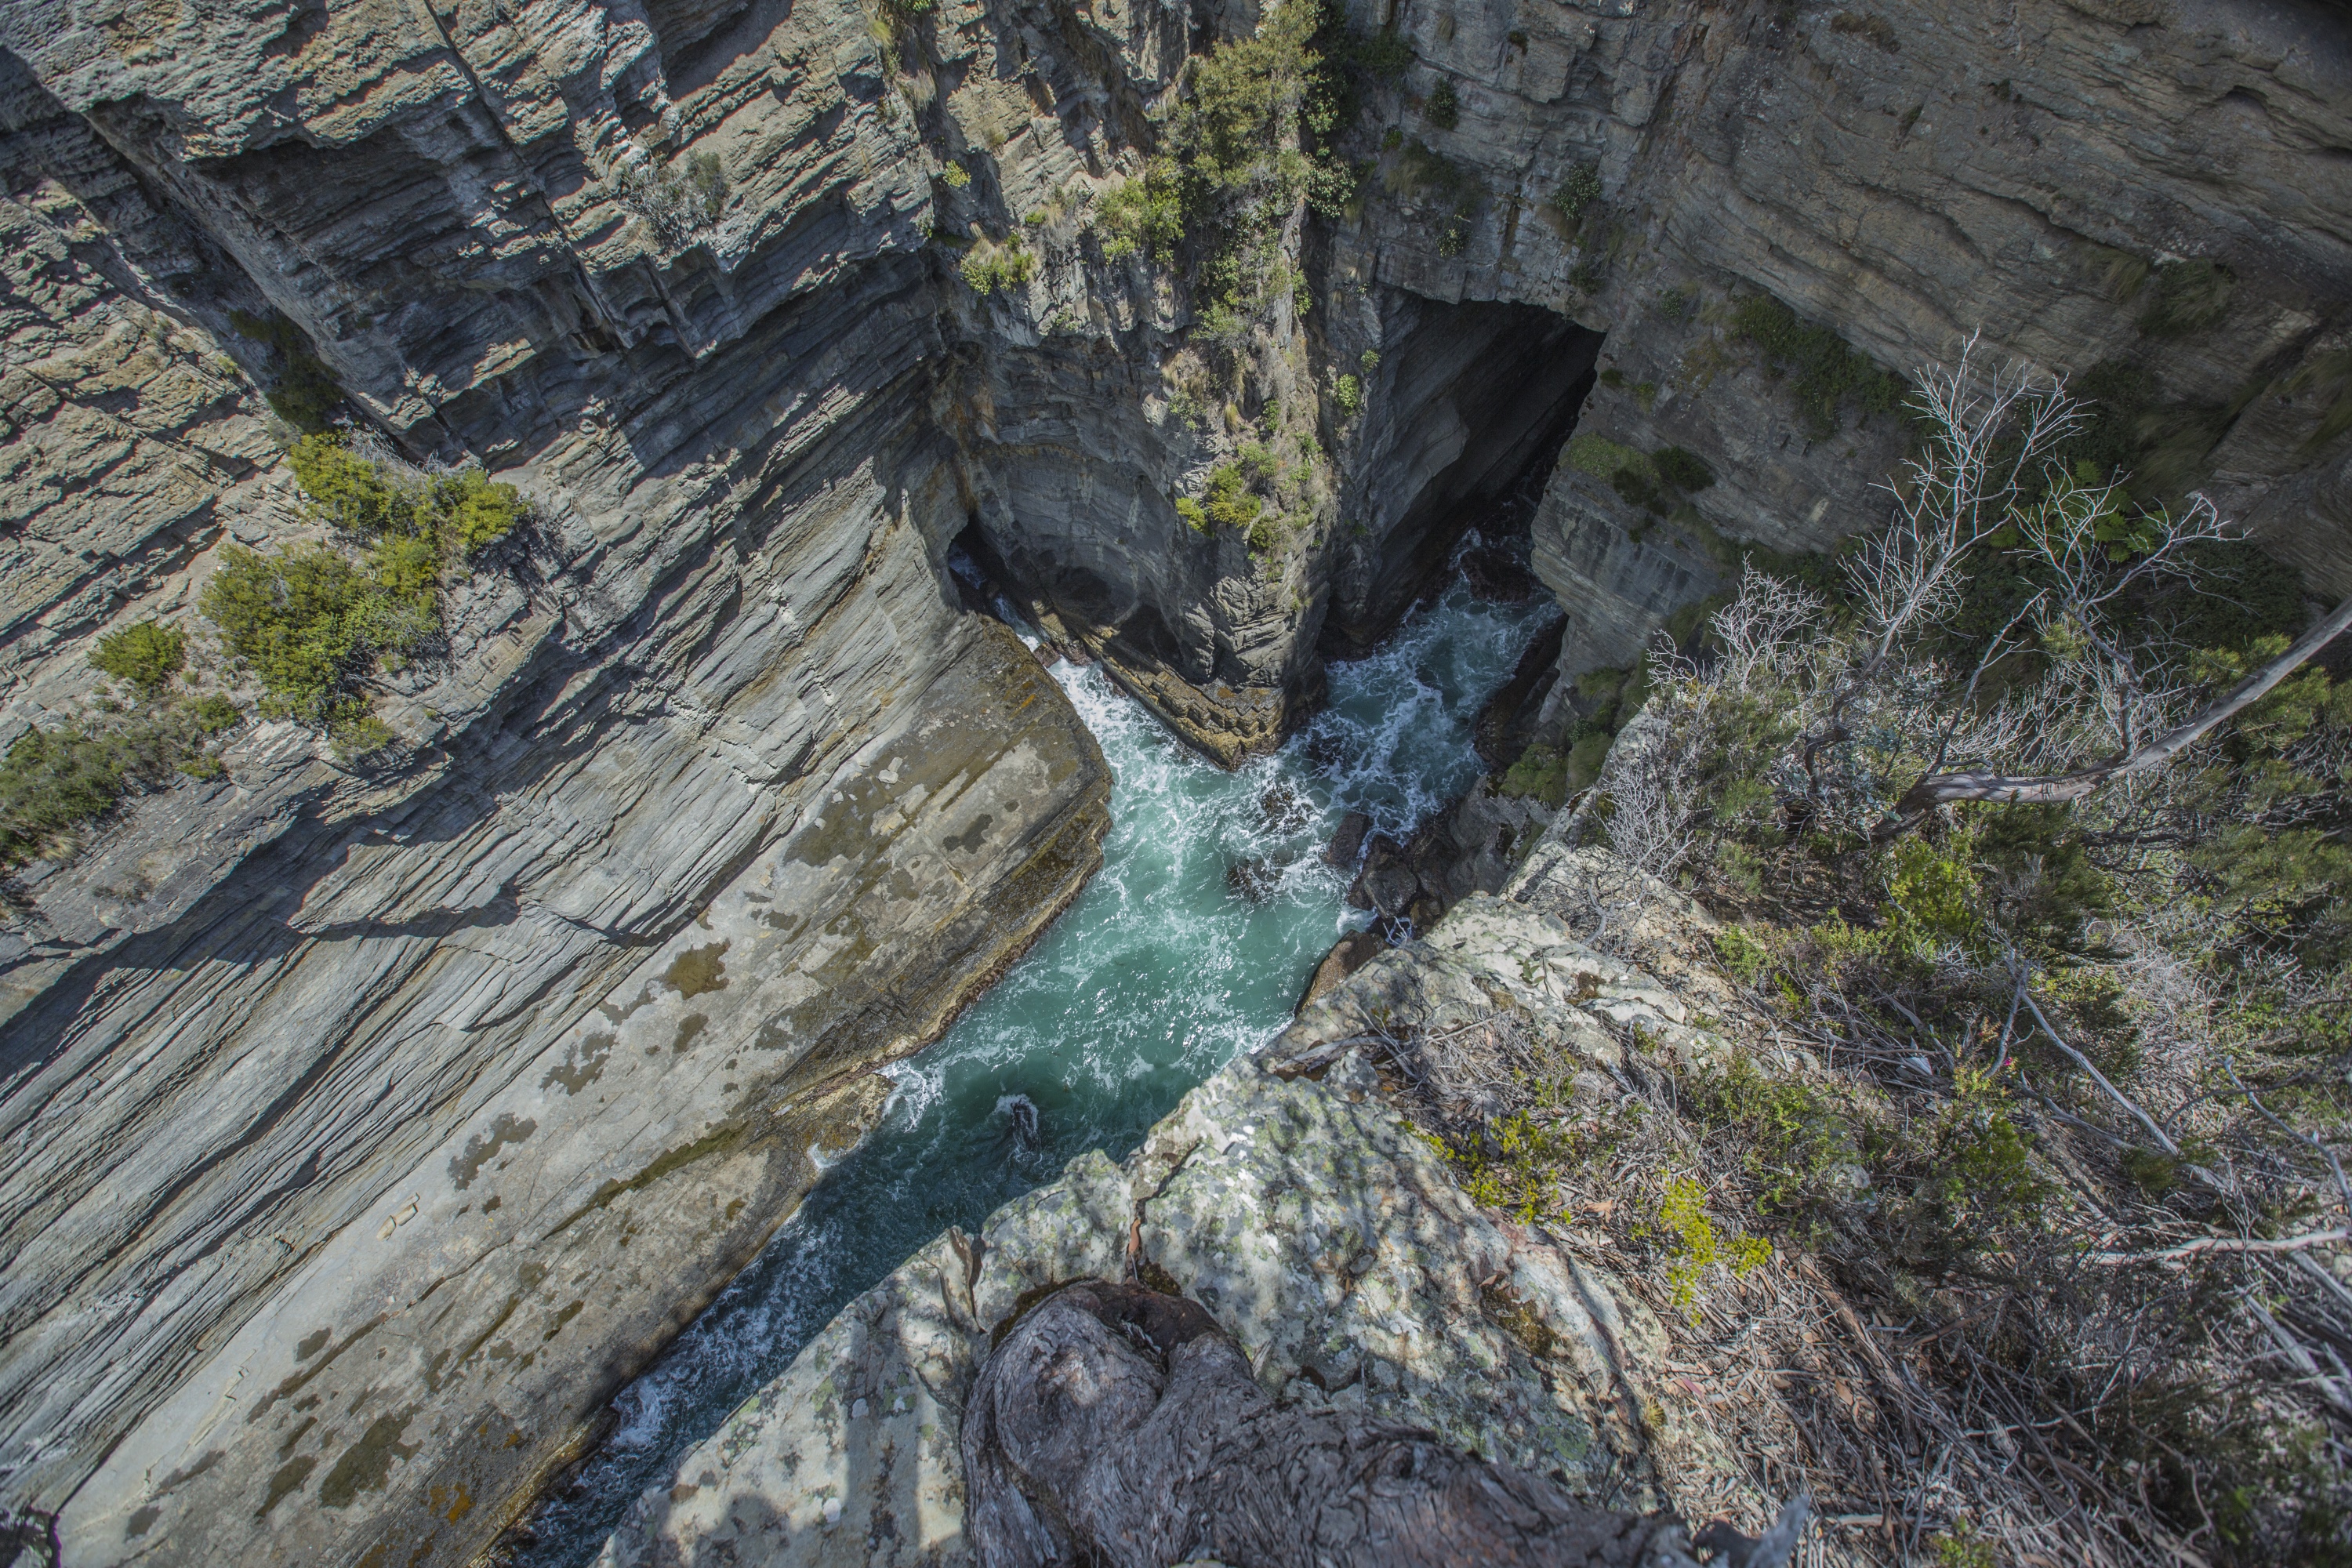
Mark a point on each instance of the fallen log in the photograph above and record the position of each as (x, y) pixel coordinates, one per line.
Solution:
(1116, 1424)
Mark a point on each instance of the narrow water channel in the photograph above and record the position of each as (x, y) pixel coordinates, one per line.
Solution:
(1190, 946)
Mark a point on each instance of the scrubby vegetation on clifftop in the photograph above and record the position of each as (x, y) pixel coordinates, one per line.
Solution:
(2028, 827)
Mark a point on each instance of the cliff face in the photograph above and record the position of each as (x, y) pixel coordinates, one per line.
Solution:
(365, 1126)
(1904, 175)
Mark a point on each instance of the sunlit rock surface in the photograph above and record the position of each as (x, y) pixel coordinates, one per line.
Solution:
(1322, 1231)
(352, 1083)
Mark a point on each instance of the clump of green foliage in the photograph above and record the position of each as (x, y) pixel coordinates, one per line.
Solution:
(1145, 215)
(989, 268)
(1445, 110)
(456, 513)
(679, 200)
(54, 782)
(1577, 193)
(308, 620)
(1823, 372)
(1655, 481)
(1230, 504)
(1541, 774)
(1695, 1246)
(146, 654)
(955, 176)
(1514, 1161)
(304, 392)
(1348, 395)
(1682, 468)
(1257, 130)
(2190, 296)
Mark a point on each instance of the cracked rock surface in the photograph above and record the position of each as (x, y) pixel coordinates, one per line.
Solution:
(1316, 1224)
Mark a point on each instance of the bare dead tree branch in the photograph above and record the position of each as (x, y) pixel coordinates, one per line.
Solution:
(1943, 789)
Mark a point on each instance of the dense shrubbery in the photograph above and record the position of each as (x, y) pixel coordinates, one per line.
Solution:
(1823, 371)
(1578, 191)
(54, 783)
(990, 268)
(308, 620)
(146, 654)
(2087, 993)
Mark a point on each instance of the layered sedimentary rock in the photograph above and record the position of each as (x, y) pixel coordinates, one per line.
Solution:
(365, 1126)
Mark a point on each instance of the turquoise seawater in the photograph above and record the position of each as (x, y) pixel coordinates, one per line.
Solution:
(1190, 946)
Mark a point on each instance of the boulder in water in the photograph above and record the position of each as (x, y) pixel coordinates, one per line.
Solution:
(1257, 878)
(1348, 842)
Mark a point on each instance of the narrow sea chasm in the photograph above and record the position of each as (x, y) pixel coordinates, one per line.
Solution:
(1190, 946)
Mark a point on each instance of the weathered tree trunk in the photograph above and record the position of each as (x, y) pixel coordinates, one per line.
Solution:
(1944, 789)
(1118, 1425)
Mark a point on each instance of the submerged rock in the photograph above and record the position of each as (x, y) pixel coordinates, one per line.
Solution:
(1256, 879)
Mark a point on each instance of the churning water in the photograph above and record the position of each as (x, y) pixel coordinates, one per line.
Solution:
(1190, 946)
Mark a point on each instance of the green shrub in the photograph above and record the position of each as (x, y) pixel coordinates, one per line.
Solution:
(146, 655)
(1445, 110)
(55, 780)
(1578, 191)
(1695, 1247)
(1191, 512)
(1541, 774)
(1369, 358)
(990, 268)
(1230, 504)
(2190, 296)
(1347, 393)
(53, 783)
(1825, 370)
(306, 620)
(1683, 469)
(1798, 1135)
(1601, 458)
(459, 513)
(1145, 215)
(954, 176)
(1633, 482)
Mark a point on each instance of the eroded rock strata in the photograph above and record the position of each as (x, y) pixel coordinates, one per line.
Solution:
(365, 1125)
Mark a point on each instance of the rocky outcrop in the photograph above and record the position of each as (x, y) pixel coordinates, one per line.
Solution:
(1318, 1227)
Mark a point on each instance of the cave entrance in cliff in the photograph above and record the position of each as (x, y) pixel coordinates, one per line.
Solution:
(1465, 417)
